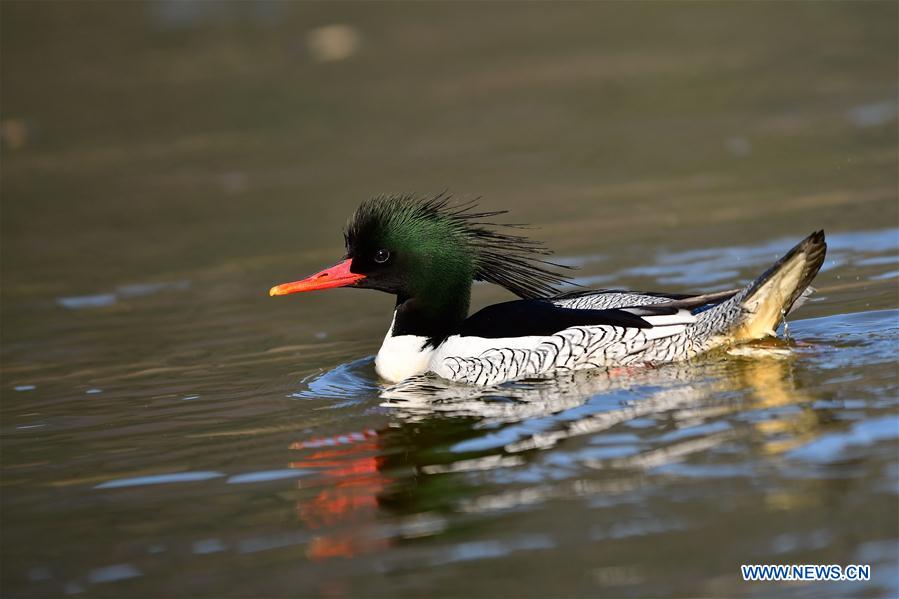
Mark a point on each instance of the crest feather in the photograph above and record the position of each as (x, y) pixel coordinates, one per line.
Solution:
(510, 261)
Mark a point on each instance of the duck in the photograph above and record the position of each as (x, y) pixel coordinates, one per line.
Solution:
(428, 251)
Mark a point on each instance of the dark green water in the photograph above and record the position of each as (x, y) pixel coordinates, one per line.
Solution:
(170, 430)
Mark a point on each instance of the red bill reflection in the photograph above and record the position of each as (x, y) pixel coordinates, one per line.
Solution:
(344, 512)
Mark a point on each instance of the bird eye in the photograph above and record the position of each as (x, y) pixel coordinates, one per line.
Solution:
(382, 256)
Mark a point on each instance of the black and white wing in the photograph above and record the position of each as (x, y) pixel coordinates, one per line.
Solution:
(605, 299)
(533, 338)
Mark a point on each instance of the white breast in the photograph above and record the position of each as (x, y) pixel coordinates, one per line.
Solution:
(402, 356)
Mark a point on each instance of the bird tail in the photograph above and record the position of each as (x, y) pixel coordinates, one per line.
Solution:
(779, 290)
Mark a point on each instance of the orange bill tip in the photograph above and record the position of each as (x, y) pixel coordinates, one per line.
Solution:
(338, 275)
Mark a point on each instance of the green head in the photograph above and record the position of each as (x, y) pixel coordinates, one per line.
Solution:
(427, 252)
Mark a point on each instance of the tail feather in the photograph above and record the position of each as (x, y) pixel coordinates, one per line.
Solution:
(780, 289)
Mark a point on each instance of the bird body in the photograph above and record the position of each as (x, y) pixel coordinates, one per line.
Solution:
(428, 252)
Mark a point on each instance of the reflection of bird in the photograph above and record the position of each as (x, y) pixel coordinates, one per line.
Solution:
(427, 252)
(421, 397)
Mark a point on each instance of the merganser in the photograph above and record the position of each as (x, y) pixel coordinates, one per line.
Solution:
(428, 251)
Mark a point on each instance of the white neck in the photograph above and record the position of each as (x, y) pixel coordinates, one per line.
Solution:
(402, 356)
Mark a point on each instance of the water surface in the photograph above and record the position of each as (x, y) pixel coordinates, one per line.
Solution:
(169, 430)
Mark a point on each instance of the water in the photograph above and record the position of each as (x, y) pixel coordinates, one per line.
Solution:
(169, 430)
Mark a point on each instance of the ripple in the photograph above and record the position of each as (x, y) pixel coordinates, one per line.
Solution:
(267, 543)
(207, 546)
(710, 268)
(103, 300)
(113, 573)
(79, 302)
(159, 479)
(477, 550)
(346, 381)
(266, 476)
(836, 446)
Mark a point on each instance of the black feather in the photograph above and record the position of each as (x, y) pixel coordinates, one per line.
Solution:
(524, 318)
